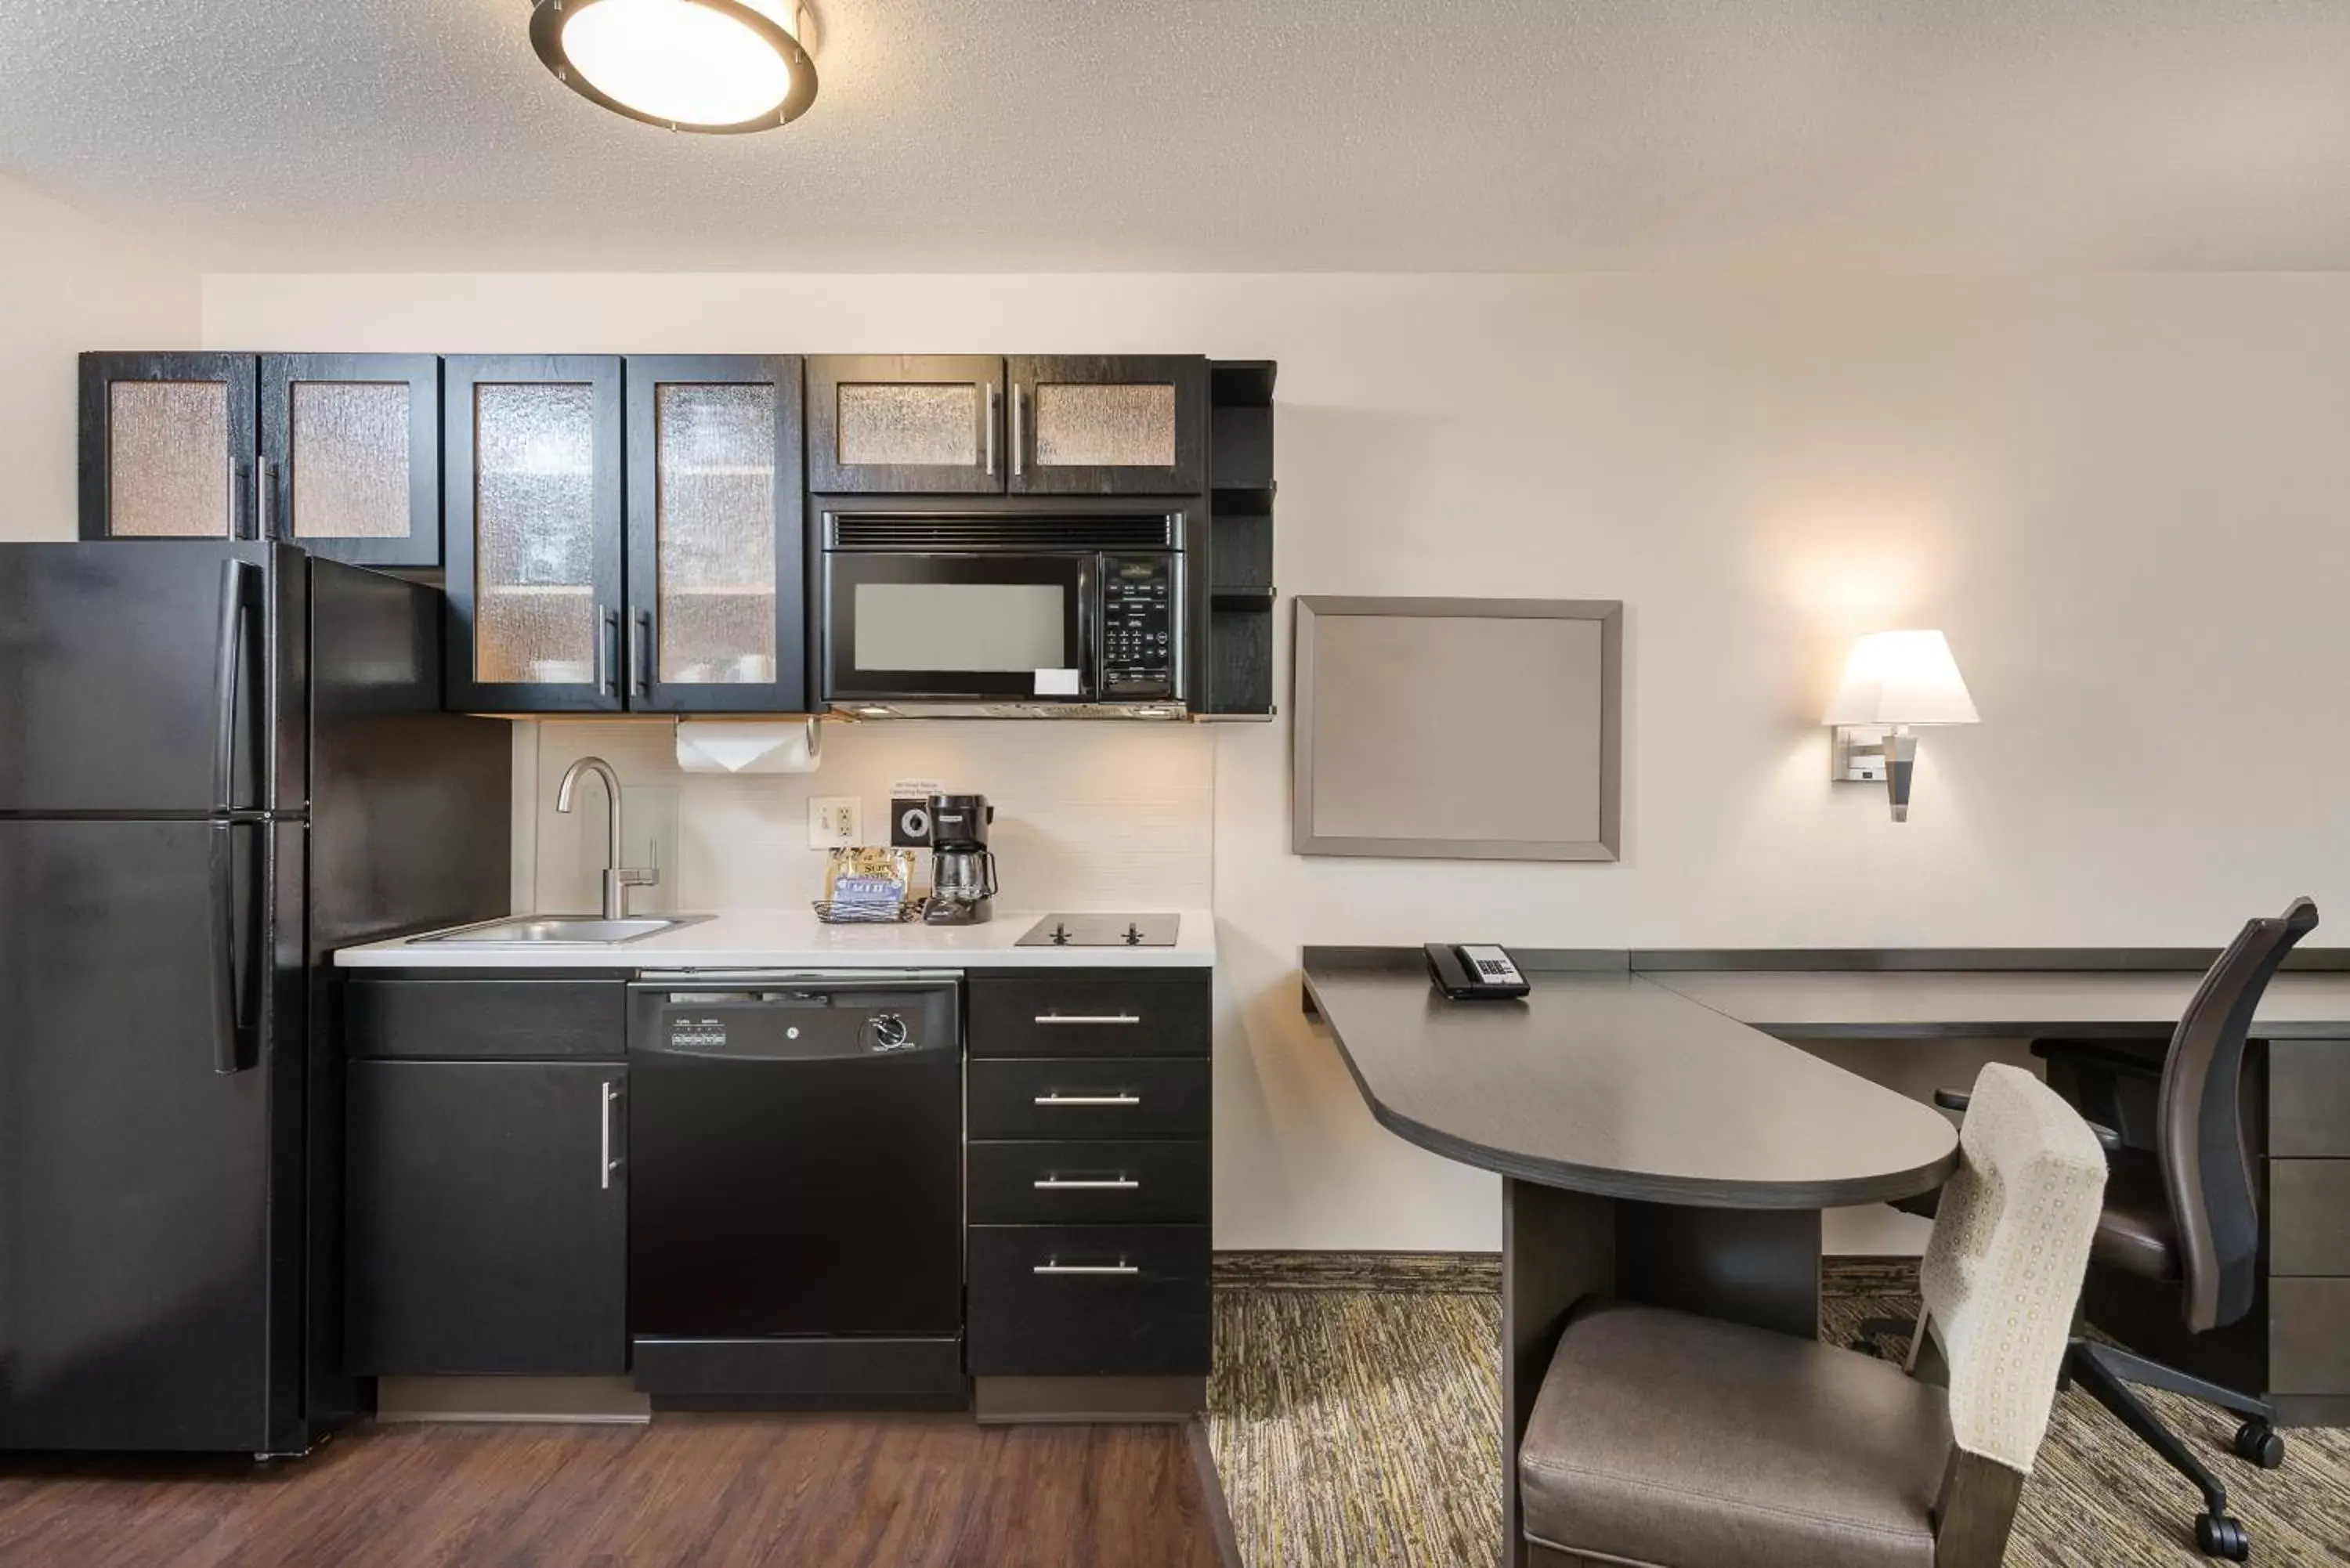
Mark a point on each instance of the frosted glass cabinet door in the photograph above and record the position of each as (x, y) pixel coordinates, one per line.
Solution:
(906, 424)
(532, 448)
(351, 447)
(1125, 424)
(716, 613)
(167, 446)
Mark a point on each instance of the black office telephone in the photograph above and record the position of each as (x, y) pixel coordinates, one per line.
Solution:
(1474, 971)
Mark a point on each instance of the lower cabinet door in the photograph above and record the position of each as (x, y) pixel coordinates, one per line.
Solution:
(1063, 1301)
(487, 1218)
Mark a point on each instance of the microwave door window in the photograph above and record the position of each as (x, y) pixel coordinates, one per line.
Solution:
(1004, 629)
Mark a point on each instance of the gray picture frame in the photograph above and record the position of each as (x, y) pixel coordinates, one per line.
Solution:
(1308, 838)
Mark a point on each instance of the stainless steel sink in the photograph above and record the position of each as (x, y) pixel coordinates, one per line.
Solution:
(558, 932)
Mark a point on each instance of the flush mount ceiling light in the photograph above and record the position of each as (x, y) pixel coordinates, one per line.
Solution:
(713, 65)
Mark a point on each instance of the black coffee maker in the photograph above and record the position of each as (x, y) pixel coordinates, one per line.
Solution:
(963, 868)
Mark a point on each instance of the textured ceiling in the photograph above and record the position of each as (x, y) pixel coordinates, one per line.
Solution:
(956, 135)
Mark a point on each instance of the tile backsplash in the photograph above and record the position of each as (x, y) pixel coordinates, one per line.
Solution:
(1087, 815)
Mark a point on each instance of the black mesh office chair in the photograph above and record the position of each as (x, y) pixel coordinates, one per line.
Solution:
(2181, 1207)
(2186, 1213)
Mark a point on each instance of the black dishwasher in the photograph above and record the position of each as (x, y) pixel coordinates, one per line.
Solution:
(796, 1191)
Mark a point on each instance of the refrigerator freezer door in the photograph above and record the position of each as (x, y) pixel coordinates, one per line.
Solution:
(135, 1272)
(132, 675)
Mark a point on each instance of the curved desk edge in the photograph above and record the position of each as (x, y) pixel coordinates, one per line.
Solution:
(1326, 965)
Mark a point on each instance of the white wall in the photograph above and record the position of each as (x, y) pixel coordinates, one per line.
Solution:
(2122, 497)
(68, 283)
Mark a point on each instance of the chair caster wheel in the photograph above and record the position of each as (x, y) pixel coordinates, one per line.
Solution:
(2218, 1535)
(2256, 1441)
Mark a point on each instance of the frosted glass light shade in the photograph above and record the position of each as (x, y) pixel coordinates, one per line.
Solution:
(688, 65)
(1901, 678)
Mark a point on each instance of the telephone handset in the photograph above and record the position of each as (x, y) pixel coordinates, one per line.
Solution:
(1474, 971)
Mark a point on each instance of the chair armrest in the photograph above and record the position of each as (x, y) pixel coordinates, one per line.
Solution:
(1957, 1100)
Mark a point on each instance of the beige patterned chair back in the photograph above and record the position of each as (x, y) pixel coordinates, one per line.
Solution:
(2002, 1273)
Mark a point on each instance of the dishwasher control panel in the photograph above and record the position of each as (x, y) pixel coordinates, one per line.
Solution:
(774, 1022)
(697, 1033)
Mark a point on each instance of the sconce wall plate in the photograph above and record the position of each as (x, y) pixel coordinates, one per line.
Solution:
(1859, 755)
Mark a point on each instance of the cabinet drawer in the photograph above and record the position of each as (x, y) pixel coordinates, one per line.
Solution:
(2309, 1098)
(1051, 1301)
(506, 1020)
(2309, 1216)
(1081, 1014)
(1119, 1097)
(2308, 1351)
(1089, 1183)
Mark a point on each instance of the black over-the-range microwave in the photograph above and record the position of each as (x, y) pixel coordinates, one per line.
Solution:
(1027, 613)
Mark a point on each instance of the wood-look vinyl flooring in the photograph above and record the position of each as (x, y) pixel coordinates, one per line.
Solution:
(907, 1491)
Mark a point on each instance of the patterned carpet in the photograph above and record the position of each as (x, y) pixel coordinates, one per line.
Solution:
(1355, 1415)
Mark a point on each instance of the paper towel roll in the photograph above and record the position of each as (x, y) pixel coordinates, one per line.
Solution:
(708, 746)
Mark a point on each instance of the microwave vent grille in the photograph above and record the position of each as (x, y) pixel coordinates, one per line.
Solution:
(869, 531)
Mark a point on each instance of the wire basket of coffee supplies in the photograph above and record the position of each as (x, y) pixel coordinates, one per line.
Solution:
(871, 885)
(861, 912)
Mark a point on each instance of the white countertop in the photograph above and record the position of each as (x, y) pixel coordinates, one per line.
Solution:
(795, 939)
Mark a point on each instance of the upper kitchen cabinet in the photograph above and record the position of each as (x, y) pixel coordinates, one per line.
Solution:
(1121, 424)
(338, 453)
(934, 425)
(350, 456)
(167, 444)
(906, 424)
(715, 527)
(531, 450)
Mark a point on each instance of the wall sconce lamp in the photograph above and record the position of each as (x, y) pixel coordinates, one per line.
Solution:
(1893, 682)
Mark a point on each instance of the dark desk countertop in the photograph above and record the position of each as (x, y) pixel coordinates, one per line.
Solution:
(1608, 1083)
(1913, 1003)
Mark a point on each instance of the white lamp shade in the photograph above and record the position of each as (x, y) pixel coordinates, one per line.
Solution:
(1901, 678)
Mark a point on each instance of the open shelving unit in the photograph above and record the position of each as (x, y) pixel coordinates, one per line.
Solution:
(1241, 592)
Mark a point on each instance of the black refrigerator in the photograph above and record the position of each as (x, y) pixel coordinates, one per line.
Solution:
(218, 763)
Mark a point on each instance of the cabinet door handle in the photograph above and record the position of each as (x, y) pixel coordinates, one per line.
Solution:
(611, 1095)
(261, 498)
(1120, 1098)
(641, 637)
(1086, 1184)
(1019, 439)
(1088, 1018)
(1120, 1267)
(994, 412)
(604, 619)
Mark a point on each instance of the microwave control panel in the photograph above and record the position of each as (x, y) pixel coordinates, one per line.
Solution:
(1138, 626)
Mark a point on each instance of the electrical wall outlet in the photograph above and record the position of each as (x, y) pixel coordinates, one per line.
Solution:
(835, 821)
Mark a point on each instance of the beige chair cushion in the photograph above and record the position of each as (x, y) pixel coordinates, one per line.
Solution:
(1664, 1439)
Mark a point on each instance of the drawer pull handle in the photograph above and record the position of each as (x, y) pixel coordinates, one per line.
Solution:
(1117, 1099)
(1086, 1184)
(1088, 1018)
(1117, 1268)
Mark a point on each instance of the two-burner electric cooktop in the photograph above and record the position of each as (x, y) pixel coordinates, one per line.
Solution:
(1102, 931)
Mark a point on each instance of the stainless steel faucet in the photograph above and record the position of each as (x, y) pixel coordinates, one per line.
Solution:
(617, 878)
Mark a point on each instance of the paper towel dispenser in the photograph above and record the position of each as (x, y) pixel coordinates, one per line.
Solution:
(749, 746)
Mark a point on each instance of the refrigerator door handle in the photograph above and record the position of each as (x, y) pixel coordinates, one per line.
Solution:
(228, 1015)
(235, 599)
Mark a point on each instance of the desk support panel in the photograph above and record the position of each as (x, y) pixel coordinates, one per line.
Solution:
(1752, 1266)
(1557, 1248)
